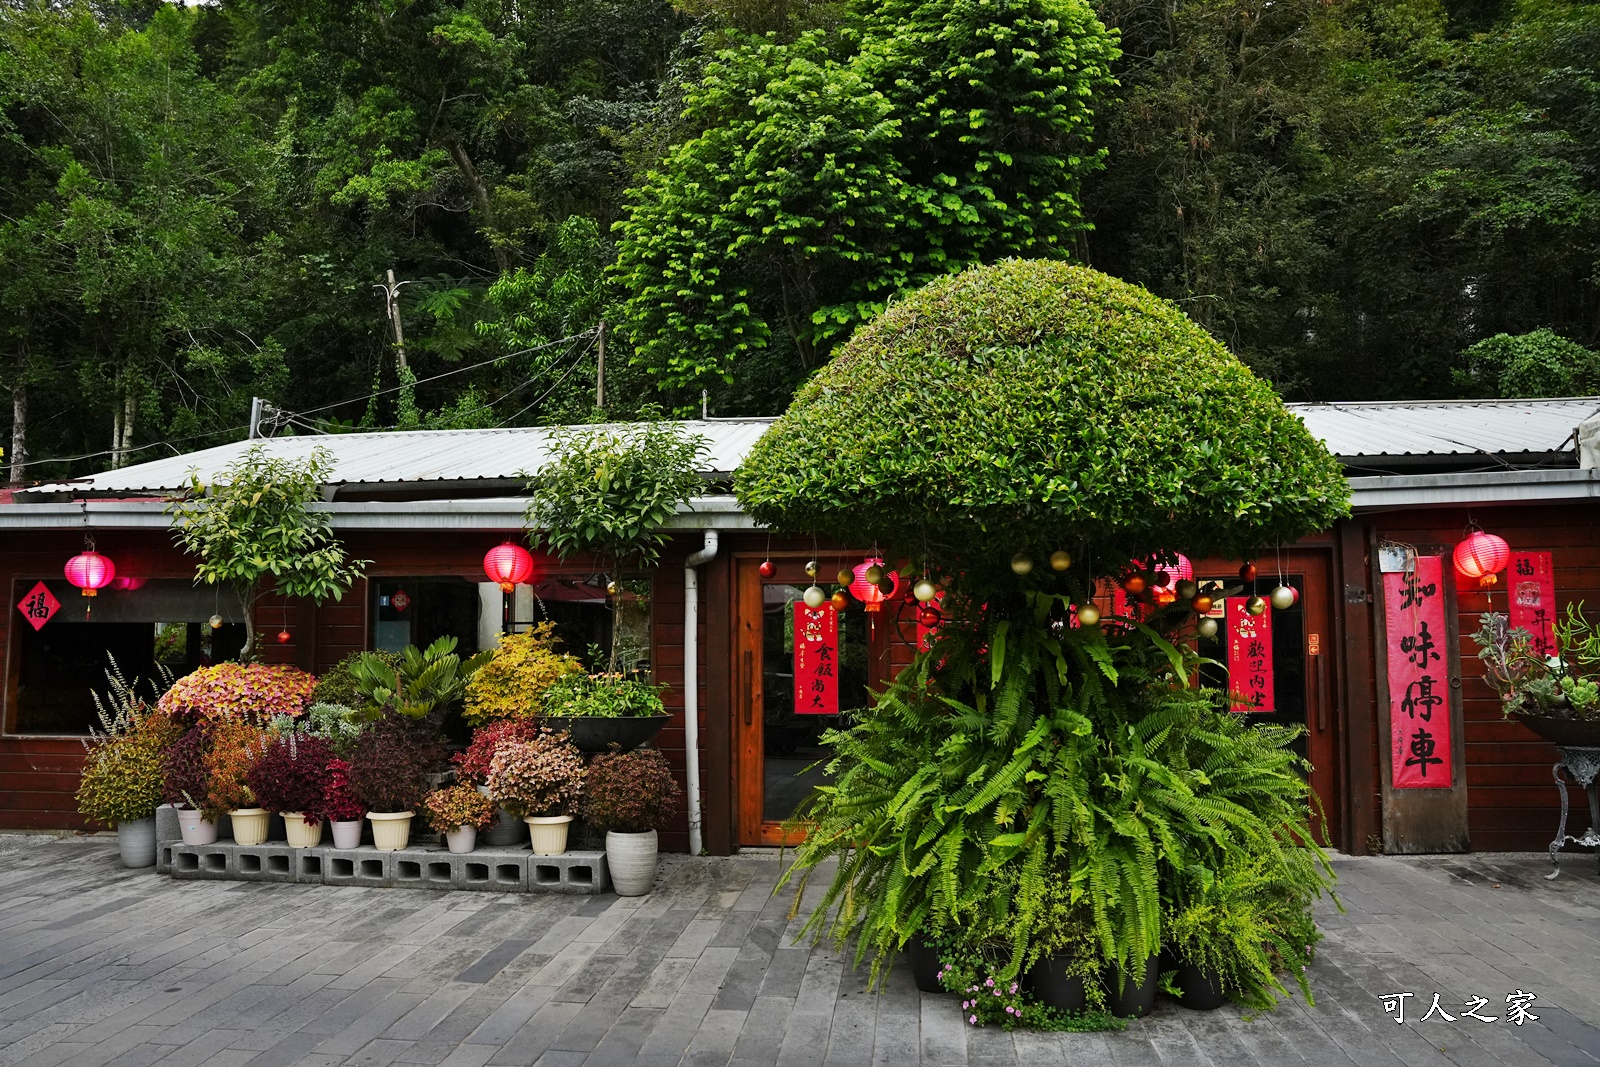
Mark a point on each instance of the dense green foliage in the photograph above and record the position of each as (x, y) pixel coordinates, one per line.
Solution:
(1541, 363)
(1032, 406)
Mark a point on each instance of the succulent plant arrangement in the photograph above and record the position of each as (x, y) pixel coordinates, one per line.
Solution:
(1530, 682)
(543, 776)
(455, 806)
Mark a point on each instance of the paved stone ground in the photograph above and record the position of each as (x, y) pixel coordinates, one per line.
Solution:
(99, 965)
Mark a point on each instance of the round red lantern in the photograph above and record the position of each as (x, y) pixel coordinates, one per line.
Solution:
(873, 595)
(1481, 557)
(1181, 570)
(508, 565)
(90, 571)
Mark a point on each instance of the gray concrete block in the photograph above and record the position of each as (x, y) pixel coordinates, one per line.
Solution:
(265, 863)
(167, 835)
(570, 872)
(425, 868)
(493, 871)
(357, 866)
(210, 862)
(309, 863)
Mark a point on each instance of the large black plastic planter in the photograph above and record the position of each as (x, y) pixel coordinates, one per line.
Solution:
(1201, 991)
(1130, 1001)
(1055, 988)
(598, 735)
(924, 961)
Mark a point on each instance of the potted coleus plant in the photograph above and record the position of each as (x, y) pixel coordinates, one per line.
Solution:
(390, 765)
(459, 812)
(630, 794)
(339, 804)
(472, 767)
(122, 781)
(289, 779)
(605, 712)
(542, 781)
(187, 787)
(232, 750)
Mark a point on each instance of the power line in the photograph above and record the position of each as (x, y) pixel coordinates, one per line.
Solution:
(135, 448)
(575, 365)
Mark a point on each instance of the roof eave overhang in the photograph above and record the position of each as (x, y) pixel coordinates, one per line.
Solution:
(1392, 491)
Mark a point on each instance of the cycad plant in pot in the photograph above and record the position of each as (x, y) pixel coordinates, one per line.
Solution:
(542, 781)
(472, 767)
(289, 779)
(459, 812)
(389, 769)
(631, 795)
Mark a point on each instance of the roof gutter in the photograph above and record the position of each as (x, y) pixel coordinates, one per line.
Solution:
(1480, 487)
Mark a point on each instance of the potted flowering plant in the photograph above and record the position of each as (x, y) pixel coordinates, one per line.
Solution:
(542, 781)
(339, 804)
(630, 794)
(472, 767)
(288, 779)
(390, 765)
(187, 787)
(459, 812)
(233, 748)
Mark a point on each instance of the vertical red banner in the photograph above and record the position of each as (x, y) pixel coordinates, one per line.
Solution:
(1533, 598)
(1249, 658)
(1419, 708)
(816, 660)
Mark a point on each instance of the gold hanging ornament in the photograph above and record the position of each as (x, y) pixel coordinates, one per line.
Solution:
(844, 577)
(1088, 615)
(1022, 564)
(1255, 606)
(924, 590)
(1060, 560)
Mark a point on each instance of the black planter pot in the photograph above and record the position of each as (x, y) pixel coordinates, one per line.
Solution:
(1579, 733)
(1201, 991)
(1130, 1001)
(924, 961)
(1050, 982)
(598, 735)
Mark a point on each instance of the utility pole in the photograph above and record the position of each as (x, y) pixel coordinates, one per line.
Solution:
(600, 375)
(255, 418)
(391, 309)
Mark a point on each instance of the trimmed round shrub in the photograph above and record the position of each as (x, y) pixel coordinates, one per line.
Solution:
(252, 693)
(1030, 406)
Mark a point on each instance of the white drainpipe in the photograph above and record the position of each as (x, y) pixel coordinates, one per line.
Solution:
(691, 684)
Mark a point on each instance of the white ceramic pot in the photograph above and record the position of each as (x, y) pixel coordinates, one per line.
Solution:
(506, 829)
(250, 825)
(631, 858)
(390, 829)
(347, 833)
(548, 833)
(195, 828)
(462, 839)
(301, 832)
(136, 839)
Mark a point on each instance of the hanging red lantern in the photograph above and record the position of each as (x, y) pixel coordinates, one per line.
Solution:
(90, 571)
(1164, 577)
(1481, 557)
(508, 565)
(871, 594)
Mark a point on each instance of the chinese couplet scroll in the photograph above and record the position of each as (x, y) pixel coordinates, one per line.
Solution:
(1249, 658)
(1419, 705)
(816, 660)
(1533, 598)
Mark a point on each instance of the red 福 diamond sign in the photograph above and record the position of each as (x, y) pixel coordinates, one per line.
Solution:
(400, 601)
(38, 606)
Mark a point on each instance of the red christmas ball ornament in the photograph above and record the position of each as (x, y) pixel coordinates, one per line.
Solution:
(767, 568)
(508, 565)
(1247, 573)
(1481, 557)
(283, 637)
(839, 600)
(928, 618)
(90, 571)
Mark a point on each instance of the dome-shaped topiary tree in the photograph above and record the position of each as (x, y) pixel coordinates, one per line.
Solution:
(1028, 781)
(1035, 405)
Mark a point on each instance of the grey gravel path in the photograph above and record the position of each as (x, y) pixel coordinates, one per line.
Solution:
(99, 965)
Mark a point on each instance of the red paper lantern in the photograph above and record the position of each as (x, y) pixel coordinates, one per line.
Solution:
(1180, 571)
(508, 565)
(1481, 557)
(90, 571)
(871, 596)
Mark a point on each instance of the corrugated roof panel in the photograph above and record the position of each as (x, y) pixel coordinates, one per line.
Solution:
(1447, 427)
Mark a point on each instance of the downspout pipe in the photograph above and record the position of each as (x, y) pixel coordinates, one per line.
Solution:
(691, 685)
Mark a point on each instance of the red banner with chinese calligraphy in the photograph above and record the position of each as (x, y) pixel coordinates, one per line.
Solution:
(1249, 658)
(816, 660)
(1419, 708)
(1533, 598)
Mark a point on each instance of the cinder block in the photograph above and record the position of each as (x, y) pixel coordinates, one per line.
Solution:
(570, 872)
(309, 863)
(357, 866)
(492, 871)
(167, 835)
(204, 861)
(425, 868)
(264, 863)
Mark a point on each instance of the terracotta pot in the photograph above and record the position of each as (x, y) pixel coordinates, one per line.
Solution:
(347, 833)
(548, 833)
(195, 828)
(631, 858)
(391, 830)
(462, 839)
(300, 832)
(250, 825)
(136, 840)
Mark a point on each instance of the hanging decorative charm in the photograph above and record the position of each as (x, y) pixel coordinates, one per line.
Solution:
(767, 568)
(508, 565)
(401, 600)
(1283, 597)
(1021, 564)
(870, 593)
(1481, 557)
(215, 622)
(814, 597)
(1060, 560)
(283, 637)
(39, 606)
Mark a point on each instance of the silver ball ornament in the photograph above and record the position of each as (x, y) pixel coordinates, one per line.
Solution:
(1021, 564)
(924, 590)
(1282, 598)
(1060, 560)
(811, 568)
(814, 597)
(215, 621)
(1206, 628)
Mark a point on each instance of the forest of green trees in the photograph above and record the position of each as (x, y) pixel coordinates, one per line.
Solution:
(199, 205)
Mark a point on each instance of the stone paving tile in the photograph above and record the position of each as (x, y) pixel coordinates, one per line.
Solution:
(103, 966)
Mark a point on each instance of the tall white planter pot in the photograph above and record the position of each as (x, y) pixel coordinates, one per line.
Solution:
(136, 839)
(547, 834)
(195, 828)
(631, 858)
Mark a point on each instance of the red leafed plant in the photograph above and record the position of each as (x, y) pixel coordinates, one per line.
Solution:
(473, 764)
(391, 762)
(339, 803)
(630, 792)
(290, 775)
(185, 780)
(540, 777)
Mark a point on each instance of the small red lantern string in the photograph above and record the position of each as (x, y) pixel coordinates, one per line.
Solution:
(508, 565)
(1481, 557)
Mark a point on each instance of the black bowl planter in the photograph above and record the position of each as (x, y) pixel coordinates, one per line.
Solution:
(1055, 988)
(1578, 733)
(1201, 991)
(924, 960)
(1130, 1001)
(592, 734)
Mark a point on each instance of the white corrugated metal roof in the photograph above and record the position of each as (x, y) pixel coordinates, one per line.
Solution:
(1447, 427)
(402, 456)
